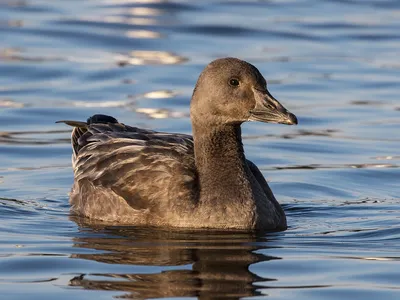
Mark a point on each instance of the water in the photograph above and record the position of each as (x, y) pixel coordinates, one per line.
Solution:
(333, 63)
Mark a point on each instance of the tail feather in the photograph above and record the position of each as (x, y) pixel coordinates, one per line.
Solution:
(78, 124)
(95, 119)
(80, 128)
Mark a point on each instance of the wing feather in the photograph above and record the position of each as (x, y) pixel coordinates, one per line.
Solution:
(142, 166)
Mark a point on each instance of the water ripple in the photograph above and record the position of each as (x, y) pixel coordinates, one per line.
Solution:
(334, 63)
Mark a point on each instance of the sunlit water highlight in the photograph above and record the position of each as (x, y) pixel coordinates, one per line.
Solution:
(333, 63)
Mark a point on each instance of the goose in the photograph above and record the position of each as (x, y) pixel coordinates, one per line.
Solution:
(133, 176)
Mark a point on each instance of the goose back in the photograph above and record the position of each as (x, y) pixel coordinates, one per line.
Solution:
(145, 169)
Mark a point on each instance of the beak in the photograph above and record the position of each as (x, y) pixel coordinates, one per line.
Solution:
(269, 110)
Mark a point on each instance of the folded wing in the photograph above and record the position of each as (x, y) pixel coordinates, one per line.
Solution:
(144, 167)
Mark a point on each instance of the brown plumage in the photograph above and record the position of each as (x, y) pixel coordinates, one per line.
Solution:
(128, 175)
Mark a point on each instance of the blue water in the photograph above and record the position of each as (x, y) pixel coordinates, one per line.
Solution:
(335, 64)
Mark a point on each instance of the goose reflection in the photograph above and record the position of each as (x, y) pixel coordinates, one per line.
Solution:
(202, 264)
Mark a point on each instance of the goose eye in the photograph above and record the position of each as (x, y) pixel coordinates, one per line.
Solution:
(234, 82)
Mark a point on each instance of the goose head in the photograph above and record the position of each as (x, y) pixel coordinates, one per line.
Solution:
(232, 91)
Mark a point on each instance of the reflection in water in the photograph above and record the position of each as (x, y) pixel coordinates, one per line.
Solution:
(160, 94)
(12, 23)
(337, 173)
(21, 55)
(154, 113)
(143, 34)
(10, 103)
(45, 137)
(332, 166)
(390, 157)
(131, 1)
(144, 11)
(150, 58)
(201, 264)
(123, 20)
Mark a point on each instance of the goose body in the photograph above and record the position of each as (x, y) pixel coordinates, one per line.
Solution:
(129, 175)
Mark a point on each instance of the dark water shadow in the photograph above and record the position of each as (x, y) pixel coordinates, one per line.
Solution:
(202, 264)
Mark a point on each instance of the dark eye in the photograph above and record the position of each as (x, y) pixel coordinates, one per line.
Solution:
(234, 82)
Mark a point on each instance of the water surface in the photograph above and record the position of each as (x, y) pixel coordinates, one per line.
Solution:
(333, 63)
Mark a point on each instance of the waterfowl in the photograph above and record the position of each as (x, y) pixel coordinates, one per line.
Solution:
(129, 175)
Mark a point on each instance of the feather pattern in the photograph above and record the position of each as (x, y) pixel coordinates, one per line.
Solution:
(140, 166)
(130, 175)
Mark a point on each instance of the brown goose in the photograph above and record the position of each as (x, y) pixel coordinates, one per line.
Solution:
(129, 175)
